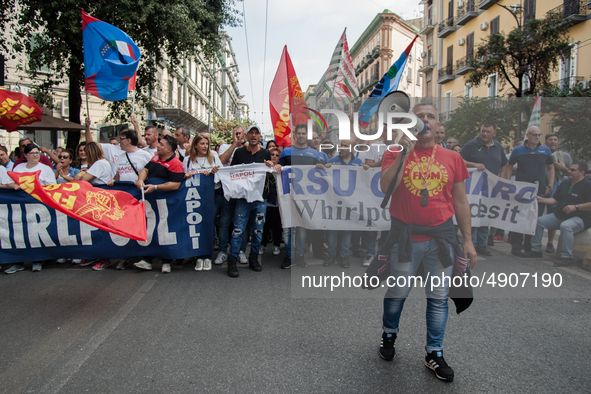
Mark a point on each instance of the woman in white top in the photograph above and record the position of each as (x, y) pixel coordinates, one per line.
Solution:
(201, 161)
(46, 177)
(99, 169)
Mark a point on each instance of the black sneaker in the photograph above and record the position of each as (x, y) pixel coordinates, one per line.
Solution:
(301, 262)
(516, 252)
(564, 262)
(253, 262)
(550, 249)
(483, 251)
(436, 362)
(286, 263)
(490, 241)
(345, 262)
(330, 260)
(232, 270)
(387, 350)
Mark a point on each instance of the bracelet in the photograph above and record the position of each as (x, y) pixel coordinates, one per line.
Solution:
(155, 187)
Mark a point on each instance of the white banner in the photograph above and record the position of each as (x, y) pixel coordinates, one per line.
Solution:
(349, 198)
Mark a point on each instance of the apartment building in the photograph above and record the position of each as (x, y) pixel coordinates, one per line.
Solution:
(451, 30)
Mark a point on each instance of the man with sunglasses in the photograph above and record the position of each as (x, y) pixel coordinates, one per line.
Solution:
(572, 214)
(428, 192)
(534, 162)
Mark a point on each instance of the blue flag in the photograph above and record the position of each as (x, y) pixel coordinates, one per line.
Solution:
(387, 84)
(111, 59)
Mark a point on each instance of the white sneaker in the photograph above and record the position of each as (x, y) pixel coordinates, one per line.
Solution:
(276, 251)
(61, 261)
(76, 261)
(36, 267)
(144, 265)
(207, 265)
(262, 249)
(222, 257)
(242, 258)
(367, 261)
(199, 265)
(165, 268)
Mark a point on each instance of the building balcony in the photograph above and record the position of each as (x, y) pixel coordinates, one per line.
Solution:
(179, 115)
(574, 11)
(467, 13)
(463, 65)
(447, 27)
(567, 84)
(446, 74)
(427, 67)
(486, 4)
(427, 26)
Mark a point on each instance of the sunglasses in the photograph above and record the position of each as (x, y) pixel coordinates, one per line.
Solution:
(274, 154)
(64, 157)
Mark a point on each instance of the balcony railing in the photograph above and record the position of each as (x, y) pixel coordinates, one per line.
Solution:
(567, 84)
(485, 4)
(463, 65)
(574, 10)
(426, 25)
(446, 74)
(447, 27)
(468, 12)
(427, 66)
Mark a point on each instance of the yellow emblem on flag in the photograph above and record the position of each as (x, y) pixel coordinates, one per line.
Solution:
(100, 204)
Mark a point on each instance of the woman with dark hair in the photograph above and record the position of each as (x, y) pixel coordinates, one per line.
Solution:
(64, 166)
(457, 148)
(272, 218)
(46, 177)
(99, 169)
(271, 144)
(201, 160)
(81, 162)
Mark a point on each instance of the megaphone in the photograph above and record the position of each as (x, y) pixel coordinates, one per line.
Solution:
(398, 101)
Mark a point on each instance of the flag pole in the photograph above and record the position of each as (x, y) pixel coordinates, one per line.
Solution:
(133, 103)
(87, 110)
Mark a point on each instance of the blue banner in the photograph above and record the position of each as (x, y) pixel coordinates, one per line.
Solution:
(179, 224)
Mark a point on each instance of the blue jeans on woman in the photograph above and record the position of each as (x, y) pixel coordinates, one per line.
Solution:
(422, 252)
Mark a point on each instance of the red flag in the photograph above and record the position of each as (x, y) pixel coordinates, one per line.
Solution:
(16, 110)
(286, 98)
(114, 211)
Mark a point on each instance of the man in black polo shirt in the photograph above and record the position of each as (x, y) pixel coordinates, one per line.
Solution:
(163, 165)
(572, 214)
(483, 152)
(253, 212)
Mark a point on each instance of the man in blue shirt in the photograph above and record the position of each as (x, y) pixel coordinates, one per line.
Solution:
(344, 158)
(533, 160)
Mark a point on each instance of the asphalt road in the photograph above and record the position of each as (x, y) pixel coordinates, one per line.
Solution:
(68, 329)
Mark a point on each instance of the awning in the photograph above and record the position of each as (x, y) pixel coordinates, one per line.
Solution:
(181, 117)
(49, 122)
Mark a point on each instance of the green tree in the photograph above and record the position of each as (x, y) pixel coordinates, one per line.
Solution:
(529, 53)
(571, 117)
(50, 33)
(223, 128)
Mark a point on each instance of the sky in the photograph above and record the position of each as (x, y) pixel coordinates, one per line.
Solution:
(310, 29)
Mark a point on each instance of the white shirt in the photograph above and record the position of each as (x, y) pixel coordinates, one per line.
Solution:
(112, 152)
(151, 151)
(224, 148)
(202, 165)
(102, 172)
(4, 178)
(181, 151)
(139, 159)
(10, 165)
(46, 177)
(376, 151)
(244, 181)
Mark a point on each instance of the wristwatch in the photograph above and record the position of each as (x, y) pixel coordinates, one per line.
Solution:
(577, 207)
(156, 188)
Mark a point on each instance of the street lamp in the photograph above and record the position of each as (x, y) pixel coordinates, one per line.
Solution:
(515, 9)
(211, 76)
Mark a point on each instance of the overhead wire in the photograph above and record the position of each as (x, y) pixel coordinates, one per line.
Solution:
(264, 61)
(248, 57)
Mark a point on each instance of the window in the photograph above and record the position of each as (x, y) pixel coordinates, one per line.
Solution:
(447, 104)
(468, 90)
(409, 74)
(494, 26)
(568, 68)
(469, 46)
(529, 10)
(492, 85)
(35, 43)
(450, 59)
(170, 87)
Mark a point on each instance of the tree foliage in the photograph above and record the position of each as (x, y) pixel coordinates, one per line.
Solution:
(571, 117)
(532, 52)
(223, 128)
(471, 113)
(50, 33)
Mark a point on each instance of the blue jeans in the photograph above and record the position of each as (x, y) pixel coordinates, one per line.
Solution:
(246, 213)
(479, 235)
(568, 229)
(287, 234)
(369, 239)
(225, 209)
(332, 236)
(425, 252)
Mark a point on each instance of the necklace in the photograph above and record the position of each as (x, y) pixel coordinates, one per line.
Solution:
(425, 191)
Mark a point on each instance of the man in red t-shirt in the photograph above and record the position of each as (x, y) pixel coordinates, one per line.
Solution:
(429, 191)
